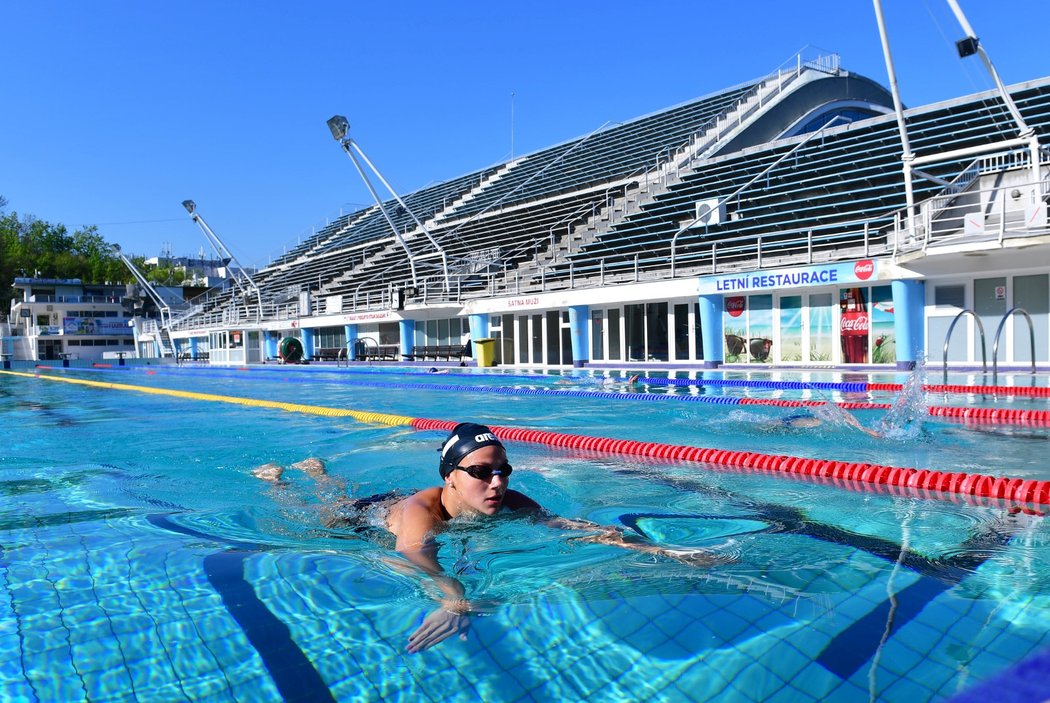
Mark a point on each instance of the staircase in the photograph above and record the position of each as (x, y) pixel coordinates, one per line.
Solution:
(167, 346)
(671, 169)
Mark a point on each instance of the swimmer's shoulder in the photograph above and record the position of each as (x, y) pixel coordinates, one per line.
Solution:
(516, 500)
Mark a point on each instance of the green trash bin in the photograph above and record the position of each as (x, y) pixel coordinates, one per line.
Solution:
(486, 352)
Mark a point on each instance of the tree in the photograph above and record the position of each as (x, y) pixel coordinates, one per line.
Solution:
(32, 247)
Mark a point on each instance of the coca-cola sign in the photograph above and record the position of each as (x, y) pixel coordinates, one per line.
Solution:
(863, 269)
(735, 305)
(854, 323)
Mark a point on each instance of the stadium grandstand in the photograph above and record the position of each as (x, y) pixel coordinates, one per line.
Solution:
(773, 222)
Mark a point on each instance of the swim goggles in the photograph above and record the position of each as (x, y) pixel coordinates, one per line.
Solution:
(485, 473)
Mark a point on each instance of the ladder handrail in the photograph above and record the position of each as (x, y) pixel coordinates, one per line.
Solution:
(998, 331)
(948, 337)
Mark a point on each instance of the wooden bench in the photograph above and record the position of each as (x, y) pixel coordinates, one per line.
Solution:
(447, 352)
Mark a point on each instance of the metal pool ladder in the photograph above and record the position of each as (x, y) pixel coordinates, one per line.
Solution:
(998, 331)
(984, 347)
(995, 343)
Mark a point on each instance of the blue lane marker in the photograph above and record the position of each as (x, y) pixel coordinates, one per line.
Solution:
(857, 644)
(290, 669)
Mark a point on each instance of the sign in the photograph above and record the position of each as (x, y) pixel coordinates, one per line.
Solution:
(795, 277)
(735, 305)
(94, 325)
(1000, 292)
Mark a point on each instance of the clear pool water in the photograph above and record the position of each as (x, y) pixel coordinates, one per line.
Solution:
(140, 560)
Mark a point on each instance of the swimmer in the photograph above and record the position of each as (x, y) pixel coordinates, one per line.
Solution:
(475, 477)
(434, 369)
(805, 420)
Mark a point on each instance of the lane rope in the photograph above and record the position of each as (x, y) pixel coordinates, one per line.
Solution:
(854, 474)
(1013, 416)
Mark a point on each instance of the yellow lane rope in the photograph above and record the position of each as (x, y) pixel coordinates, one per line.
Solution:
(371, 418)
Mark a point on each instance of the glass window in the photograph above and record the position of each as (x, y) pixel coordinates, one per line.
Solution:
(950, 296)
(597, 335)
(656, 331)
(615, 348)
(634, 321)
(681, 332)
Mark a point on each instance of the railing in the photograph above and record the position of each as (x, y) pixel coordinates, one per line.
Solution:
(75, 299)
(1010, 210)
(717, 127)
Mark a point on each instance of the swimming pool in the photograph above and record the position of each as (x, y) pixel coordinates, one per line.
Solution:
(142, 561)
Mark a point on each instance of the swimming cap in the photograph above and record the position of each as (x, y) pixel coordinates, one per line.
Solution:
(465, 438)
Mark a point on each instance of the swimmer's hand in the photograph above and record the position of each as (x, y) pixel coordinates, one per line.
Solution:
(448, 620)
(617, 538)
(696, 557)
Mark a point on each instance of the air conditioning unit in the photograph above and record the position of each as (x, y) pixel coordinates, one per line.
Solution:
(709, 212)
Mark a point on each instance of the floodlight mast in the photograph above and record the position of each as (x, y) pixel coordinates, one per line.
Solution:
(971, 44)
(966, 47)
(340, 128)
(224, 251)
(162, 307)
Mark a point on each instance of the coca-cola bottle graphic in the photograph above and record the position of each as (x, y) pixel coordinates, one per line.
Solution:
(853, 326)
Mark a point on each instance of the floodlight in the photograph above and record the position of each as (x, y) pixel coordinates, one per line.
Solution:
(189, 205)
(967, 47)
(339, 126)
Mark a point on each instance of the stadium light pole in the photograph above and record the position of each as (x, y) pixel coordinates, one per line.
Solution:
(972, 45)
(340, 128)
(907, 156)
(162, 307)
(223, 250)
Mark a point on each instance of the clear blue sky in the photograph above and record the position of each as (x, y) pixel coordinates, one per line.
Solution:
(115, 112)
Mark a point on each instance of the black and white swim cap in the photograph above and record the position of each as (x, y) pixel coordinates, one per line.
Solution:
(465, 438)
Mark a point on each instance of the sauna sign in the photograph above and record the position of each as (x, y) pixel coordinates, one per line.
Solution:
(798, 277)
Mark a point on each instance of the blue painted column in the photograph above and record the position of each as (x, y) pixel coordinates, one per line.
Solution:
(193, 347)
(712, 330)
(407, 329)
(351, 335)
(308, 343)
(579, 323)
(270, 345)
(909, 310)
(479, 329)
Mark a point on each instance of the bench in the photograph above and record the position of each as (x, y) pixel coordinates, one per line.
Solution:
(384, 352)
(330, 353)
(190, 356)
(447, 352)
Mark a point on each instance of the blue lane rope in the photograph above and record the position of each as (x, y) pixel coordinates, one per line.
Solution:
(845, 387)
(500, 390)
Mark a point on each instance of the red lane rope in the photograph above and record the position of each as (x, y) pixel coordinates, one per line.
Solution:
(1015, 490)
(967, 390)
(989, 415)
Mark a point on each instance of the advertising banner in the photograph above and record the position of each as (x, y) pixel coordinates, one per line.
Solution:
(95, 325)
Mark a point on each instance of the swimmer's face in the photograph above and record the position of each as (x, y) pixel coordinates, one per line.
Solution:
(476, 494)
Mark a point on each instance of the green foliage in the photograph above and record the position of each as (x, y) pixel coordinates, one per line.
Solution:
(29, 246)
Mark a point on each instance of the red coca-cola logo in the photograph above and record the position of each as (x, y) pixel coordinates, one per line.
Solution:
(854, 323)
(735, 305)
(864, 269)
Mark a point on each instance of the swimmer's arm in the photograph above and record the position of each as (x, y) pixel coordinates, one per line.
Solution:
(614, 536)
(850, 420)
(416, 543)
